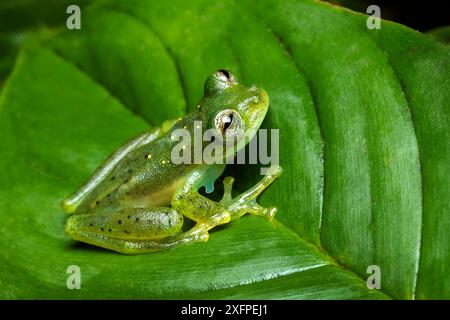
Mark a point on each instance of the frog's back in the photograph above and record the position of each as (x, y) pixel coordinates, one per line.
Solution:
(145, 177)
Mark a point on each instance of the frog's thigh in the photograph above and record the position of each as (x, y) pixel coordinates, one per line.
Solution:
(156, 229)
(133, 223)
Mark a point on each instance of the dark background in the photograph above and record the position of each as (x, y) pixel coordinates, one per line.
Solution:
(418, 15)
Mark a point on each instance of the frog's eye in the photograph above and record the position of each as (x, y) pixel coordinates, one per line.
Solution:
(228, 123)
(225, 75)
(218, 81)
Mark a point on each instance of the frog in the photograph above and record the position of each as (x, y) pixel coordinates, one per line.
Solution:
(138, 200)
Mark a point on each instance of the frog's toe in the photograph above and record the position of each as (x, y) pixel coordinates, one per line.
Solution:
(275, 171)
(270, 213)
(202, 236)
(227, 189)
(254, 208)
(69, 205)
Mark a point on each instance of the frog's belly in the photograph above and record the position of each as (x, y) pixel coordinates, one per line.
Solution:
(156, 197)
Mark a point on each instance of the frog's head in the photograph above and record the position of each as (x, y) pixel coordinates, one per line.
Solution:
(233, 109)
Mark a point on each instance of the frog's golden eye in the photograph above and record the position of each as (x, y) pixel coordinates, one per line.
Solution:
(218, 81)
(228, 123)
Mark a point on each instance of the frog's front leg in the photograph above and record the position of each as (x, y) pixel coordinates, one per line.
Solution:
(246, 201)
(209, 214)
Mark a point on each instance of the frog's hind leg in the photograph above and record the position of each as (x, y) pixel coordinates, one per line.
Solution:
(135, 230)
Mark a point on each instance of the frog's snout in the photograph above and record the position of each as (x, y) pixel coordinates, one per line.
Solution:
(260, 103)
(260, 95)
(264, 97)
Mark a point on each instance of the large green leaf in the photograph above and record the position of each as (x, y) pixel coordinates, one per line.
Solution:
(364, 143)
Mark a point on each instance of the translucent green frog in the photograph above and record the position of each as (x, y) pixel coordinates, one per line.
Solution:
(137, 200)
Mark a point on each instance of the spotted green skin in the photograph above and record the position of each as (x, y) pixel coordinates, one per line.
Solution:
(135, 202)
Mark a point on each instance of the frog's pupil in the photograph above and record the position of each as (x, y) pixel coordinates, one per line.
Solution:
(225, 73)
(227, 121)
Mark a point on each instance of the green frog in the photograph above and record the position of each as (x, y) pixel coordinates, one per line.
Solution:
(136, 201)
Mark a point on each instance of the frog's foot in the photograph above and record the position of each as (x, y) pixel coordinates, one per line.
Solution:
(246, 202)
